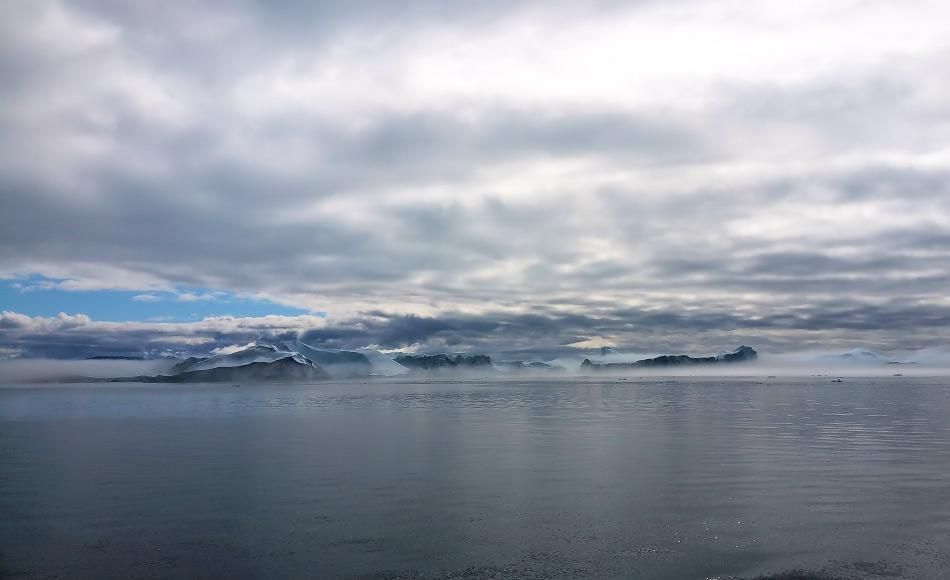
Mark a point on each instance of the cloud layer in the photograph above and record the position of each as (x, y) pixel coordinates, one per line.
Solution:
(509, 176)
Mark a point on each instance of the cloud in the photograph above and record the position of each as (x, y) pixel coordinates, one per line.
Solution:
(231, 348)
(78, 336)
(891, 326)
(193, 297)
(9, 353)
(772, 171)
(146, 298)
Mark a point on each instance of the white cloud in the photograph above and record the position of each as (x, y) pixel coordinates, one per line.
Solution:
(498, 158)
(193, 297)
(146, 298)
(9, 353)
(231, 348)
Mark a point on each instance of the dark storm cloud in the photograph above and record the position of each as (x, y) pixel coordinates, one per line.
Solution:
(893, 325)
(512, 162)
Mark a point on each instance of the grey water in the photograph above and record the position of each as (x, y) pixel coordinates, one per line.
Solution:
(571, 478)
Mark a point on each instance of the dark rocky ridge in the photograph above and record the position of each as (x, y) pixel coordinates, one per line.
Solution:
(428, 362)
(740, 355)
(339, 363)
(522, 366)
(185, 364)
(294, 361)
(282, 370)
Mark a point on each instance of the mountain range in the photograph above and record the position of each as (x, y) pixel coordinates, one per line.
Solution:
(740, 355)
(293, 360)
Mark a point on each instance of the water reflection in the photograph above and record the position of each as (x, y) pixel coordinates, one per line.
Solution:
(652, 479)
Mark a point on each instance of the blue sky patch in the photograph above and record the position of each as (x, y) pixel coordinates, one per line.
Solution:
(40, 296)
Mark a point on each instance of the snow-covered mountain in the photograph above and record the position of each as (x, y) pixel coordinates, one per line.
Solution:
(742, 354)
(261, 362)
(259, 353)
(286, 369)
(338, 363)
(332, 363)
(294, 360)
(347, 363)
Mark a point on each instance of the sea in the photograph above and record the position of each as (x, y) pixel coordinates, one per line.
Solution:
(542, 477)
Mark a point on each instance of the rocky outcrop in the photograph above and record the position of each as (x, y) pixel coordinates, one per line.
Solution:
(741, 354)
(258, 363)
(338, 363)
(425, 361)
(186, 364)
(522, 366)
(283, 370)
(457, 362)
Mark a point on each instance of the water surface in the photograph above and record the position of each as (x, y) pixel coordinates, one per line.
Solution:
(679, 478)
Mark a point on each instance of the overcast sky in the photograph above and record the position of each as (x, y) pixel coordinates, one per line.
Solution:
(485, 176)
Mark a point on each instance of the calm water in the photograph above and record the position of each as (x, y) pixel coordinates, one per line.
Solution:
(675, 479)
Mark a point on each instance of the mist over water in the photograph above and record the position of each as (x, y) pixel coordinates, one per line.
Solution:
(708, 477)
(42, 370)
(923, 363)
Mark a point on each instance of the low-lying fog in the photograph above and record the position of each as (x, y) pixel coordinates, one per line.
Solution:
(39, 370)
(787, 365)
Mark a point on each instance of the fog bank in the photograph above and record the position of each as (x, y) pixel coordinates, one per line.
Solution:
(43, 370)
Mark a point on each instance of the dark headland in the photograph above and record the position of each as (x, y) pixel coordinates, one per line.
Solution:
(740, 355)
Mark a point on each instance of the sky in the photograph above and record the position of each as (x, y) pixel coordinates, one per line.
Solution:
(532, 177)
